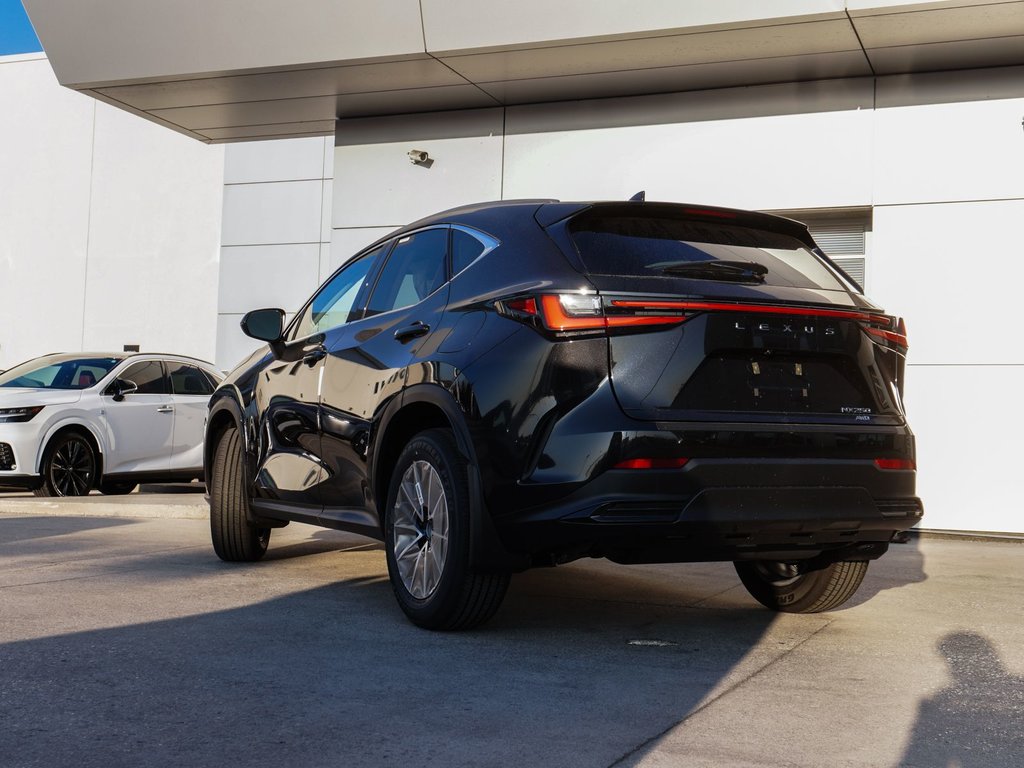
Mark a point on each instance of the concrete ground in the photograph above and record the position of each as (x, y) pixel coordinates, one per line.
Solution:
(125, 642)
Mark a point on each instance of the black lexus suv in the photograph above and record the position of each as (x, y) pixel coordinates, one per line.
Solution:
(524, 383)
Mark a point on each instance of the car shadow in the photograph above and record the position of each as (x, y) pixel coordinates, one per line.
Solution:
(318, 545)
(22, 528)
(902, 565)
(172, 488)
(335, 675)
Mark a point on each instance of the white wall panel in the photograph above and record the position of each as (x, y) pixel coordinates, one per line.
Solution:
(109, 225)
(328, 158)
(267, 276)
(968, 442)
(966, 151)
(785, 161)
(232, 345)
(154, 238)
(45, 167)
(284, 212)
(948, 270)
(276, 234)
(348, 242)
(283, 160)
(324, 269)
(326, 209)
(376, 185)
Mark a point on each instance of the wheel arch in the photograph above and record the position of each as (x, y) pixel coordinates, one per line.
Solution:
(428, 406)
(63, 427)
(224, 413)
(420, 407)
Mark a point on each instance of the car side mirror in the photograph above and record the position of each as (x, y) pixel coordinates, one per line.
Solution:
(264, 324)
(122, 387)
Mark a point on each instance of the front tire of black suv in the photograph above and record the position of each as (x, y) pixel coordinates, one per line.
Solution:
(235, 539)
(783, 587)
(426, 537)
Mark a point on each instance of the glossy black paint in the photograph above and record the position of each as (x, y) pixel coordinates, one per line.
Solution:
(541, 421)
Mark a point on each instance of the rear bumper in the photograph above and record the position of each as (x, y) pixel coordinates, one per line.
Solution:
(724, 509)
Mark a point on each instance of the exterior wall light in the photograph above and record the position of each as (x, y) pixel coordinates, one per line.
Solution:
(419, 157)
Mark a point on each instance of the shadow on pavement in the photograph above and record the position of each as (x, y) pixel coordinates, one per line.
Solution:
(903, 564)
(173, 488)
(23, 528)
(335, 676)
(316, 545)
(978, 719)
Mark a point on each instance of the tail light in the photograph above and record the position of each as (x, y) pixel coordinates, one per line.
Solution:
(568, 313)
(677, 463)
(904, 464)
(891, 329)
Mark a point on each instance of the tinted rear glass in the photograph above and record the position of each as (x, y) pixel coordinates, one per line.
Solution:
(654, 246)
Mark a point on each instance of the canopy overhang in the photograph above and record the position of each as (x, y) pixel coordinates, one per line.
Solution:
(236, 70)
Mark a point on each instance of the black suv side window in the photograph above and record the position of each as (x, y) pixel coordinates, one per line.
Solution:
(415, 269)
(333, 305)
(148, 377)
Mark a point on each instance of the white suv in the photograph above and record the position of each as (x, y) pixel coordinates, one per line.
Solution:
(73, 422)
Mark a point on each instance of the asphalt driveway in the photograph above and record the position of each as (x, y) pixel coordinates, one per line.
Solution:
(125, 642)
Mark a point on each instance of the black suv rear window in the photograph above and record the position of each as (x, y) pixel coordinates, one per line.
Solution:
(670, 246)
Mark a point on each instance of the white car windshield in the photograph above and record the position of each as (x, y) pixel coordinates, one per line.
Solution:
(59, 372)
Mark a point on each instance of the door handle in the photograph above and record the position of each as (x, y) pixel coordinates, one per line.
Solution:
(165, 409)
(314, 356)
(413, 331)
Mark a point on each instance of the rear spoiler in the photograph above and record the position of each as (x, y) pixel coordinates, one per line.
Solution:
(552, 213)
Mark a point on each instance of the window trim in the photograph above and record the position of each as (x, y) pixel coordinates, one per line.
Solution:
(489, 243)
(387, 245)
(128, 364)
(184, 363)
(290, 334)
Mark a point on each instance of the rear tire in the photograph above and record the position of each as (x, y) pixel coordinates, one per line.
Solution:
(781, 586)
(234, 538)
(69, 466)
(426, 538)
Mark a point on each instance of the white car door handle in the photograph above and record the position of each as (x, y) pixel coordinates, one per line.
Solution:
(165, 409)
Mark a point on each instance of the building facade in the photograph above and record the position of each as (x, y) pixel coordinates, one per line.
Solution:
(109, 225)
(893, 128)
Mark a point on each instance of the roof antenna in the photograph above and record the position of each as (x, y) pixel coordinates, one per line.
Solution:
(639, 197)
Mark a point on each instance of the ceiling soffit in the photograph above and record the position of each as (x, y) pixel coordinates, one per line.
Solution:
(305, 99)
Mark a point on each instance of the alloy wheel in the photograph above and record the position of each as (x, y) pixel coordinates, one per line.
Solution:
(420, 522)
(72, 467)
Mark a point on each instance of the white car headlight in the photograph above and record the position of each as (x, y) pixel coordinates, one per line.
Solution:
(10, 415)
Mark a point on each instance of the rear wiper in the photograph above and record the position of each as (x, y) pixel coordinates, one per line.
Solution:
(713, 269)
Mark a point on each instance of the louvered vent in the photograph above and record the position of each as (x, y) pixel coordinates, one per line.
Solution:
(839, 238)
(839, 232)
(854, 267)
